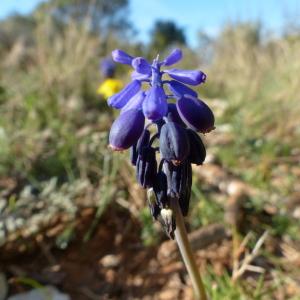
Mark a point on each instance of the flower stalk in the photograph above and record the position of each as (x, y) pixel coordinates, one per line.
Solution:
(187, 254)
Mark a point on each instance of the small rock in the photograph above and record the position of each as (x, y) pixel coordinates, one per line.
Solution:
(110, 261)
(10, 224)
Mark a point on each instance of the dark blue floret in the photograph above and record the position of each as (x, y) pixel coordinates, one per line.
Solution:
(174, 143)
(173, 115)
(179, 89)
(126, 130)
(143, 141)
(146, 167)
(196, 114)
(197, 149)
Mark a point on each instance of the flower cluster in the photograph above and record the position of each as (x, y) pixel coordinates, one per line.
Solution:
(177, 115)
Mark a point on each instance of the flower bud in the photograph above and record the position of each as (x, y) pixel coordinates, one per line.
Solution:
(197, 149)
(126, 130)
(141, 65)
(174, 57)
(136, 102)
(179, 89)
(120, 99)
(174, 143)
(187, 76)
(155, 104)
(195, 114)
(146, 167)
(121, 57)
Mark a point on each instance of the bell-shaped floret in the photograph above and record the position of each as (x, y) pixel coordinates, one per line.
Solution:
(195, 114)
(179, 180)
(197, 149)
(143, 141)
(187, 76)
(174, 143)
(173, 115)
(120, 99)
(146, 167)
(126, 130)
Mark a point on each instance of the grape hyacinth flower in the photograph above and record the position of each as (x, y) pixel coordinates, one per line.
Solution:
(107, 68)
(110, 85)
(159, 120)
(173, 108)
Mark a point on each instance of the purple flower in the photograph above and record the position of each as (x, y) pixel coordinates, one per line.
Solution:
(107, 68)
(126, 130)
(146, 166)
(176, 142)
(173, 58)
(154, 101)
(136, 102)
(120, 99)
(155, 105)
(121, 57)
(173, 115)
(187, 76)
(139, 76)
(195, 114)
(141, 65)
(197, 149)
(179, 89)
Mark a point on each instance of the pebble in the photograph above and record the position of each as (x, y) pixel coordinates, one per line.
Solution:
(110, 261)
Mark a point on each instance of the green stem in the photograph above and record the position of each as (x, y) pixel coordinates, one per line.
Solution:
(187, 254)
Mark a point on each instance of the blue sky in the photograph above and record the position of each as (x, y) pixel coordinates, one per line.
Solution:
(192, 15)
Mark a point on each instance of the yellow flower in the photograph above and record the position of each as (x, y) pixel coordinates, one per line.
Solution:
(109, 87)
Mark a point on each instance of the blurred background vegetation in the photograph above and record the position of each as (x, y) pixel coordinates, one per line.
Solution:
(64, 194)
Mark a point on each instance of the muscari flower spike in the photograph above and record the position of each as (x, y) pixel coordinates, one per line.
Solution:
(176, 125)
(107, 68)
